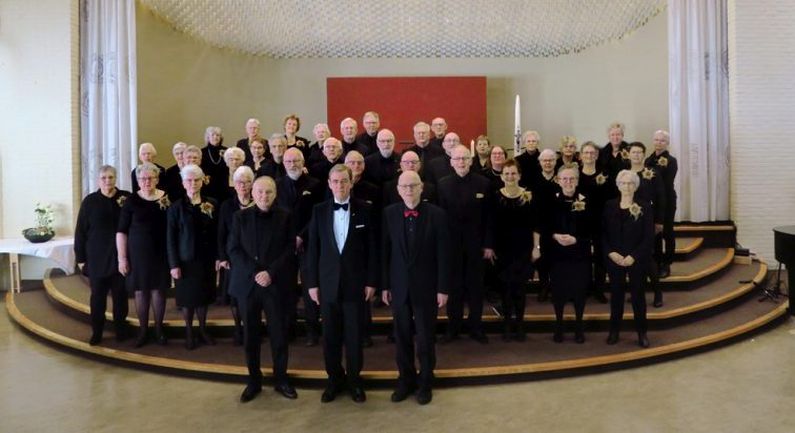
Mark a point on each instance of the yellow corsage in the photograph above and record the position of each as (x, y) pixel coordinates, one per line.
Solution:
(120, 201)
(579, 204)
(601, 179)
(299, 143)
(207, 208)
(647, 173)
(525, 197)
(206, 180)
(624, 154)
(164, 202)
(635, 210)
(662, 161)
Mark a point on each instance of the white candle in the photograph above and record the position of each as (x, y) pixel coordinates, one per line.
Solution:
(517, 127)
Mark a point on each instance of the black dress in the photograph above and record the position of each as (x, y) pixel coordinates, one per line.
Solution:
(144, 223)
(514, 224)
(192, 241)
(214, 166)
(95, 233)
(570, 273)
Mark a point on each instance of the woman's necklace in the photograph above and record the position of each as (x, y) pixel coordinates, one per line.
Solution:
(210, 154)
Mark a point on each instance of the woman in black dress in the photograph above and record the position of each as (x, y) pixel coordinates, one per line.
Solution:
(569, 251)
(258, 161)
(627, 237)
(497, 158)
(516, 247)
(213, 164)
(141, 249)
(292, 124)
(595, 184)
(192, 241)
(243, 178)
(95, 252)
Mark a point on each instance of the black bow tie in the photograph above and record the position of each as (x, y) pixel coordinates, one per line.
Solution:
(343, 206)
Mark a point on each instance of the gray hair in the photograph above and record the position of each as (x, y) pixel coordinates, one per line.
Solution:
(234, 151)
(209, 131)
(178, 145)
(547, 152)
(107, 169)
(664, 133)
(191, 169)
(422, 125)
(243, 171)
(529, 132)
(616, 125)
(193, 149)
(633, 177)
(147, 166)
(148, 146)
(277, 136)
(254, 121)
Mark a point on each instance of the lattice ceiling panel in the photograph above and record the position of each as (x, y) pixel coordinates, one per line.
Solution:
(407, 28)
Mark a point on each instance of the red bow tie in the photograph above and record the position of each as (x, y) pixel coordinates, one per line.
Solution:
(410, 213)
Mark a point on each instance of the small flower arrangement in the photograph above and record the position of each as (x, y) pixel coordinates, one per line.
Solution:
(121, 200)
(662, 161)
(601, 179)
(624, 154)
(43, 230)
(300, 143)
(206, 180)
(164, 202)
(525, 197)
(647, 173)
(579, 204)
(635, 210)
(207, 208)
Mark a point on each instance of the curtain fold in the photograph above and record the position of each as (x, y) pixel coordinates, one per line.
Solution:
(698, 86)
(107, 89)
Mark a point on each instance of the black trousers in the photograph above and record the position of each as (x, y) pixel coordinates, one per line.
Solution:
(666, 238)
(409, 318)
(468, 267)
(342, 326)
(100, 287)
(514, 294)
(271, 301)
(618, 286)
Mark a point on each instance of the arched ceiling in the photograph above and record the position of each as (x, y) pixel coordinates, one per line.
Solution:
(407, 28)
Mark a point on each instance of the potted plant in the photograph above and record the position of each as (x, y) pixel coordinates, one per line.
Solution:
(43, 230)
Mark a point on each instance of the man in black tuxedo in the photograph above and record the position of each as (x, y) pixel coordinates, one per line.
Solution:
(341, 272)
(261, 249)
(348, 130)
(382, 166)
(439, 168)
(299, 192)
(367, 139)
(466, 197)
(416, 277)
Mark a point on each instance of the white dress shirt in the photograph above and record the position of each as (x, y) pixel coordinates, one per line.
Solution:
(342, 219)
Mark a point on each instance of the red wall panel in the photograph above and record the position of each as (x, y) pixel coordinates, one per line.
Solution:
(404, 101)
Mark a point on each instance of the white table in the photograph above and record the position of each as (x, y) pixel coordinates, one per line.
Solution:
(59, 249)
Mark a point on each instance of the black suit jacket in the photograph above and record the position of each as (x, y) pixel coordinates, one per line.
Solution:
(181, 231)
(379, 170)
(438, 169)
(341, 276)
(308, 192)
(623, 234)
(417, 276)
(272, 251)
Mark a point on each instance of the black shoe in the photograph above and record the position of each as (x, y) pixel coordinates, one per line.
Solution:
(286, 391)
(190, 343)
(424, 396)
(330, 393)
(665, 271)
(143, 338)
(557, 337)
(358, 395)
(206, 338)
(390, 338)
(643, 341)
(250, 393)
(95, 339)
(311, 341)
(160, 337)
(367, 341)
(121, 332)
(401, 393)
(579, 337)
(480, 337)
(612, 338)
(658, 300)
(600, 297)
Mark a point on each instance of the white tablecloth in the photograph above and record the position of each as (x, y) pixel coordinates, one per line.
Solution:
(59, 249)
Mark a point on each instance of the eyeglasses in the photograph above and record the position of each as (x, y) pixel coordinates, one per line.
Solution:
(409, 186)
(411, 161)
(461, 158)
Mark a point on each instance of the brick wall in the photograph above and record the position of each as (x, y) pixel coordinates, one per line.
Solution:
(762, 118)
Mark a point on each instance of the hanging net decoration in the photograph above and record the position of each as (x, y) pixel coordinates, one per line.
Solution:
(408, 28)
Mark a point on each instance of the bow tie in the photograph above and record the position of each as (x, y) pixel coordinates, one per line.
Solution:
(410, 213)
(343, 206)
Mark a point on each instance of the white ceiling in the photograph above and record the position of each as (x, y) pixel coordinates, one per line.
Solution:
(408, 28)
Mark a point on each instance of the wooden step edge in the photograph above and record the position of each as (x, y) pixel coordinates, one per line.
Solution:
(704, 228)
(690, 247)
(709, 270)
(565, 365)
